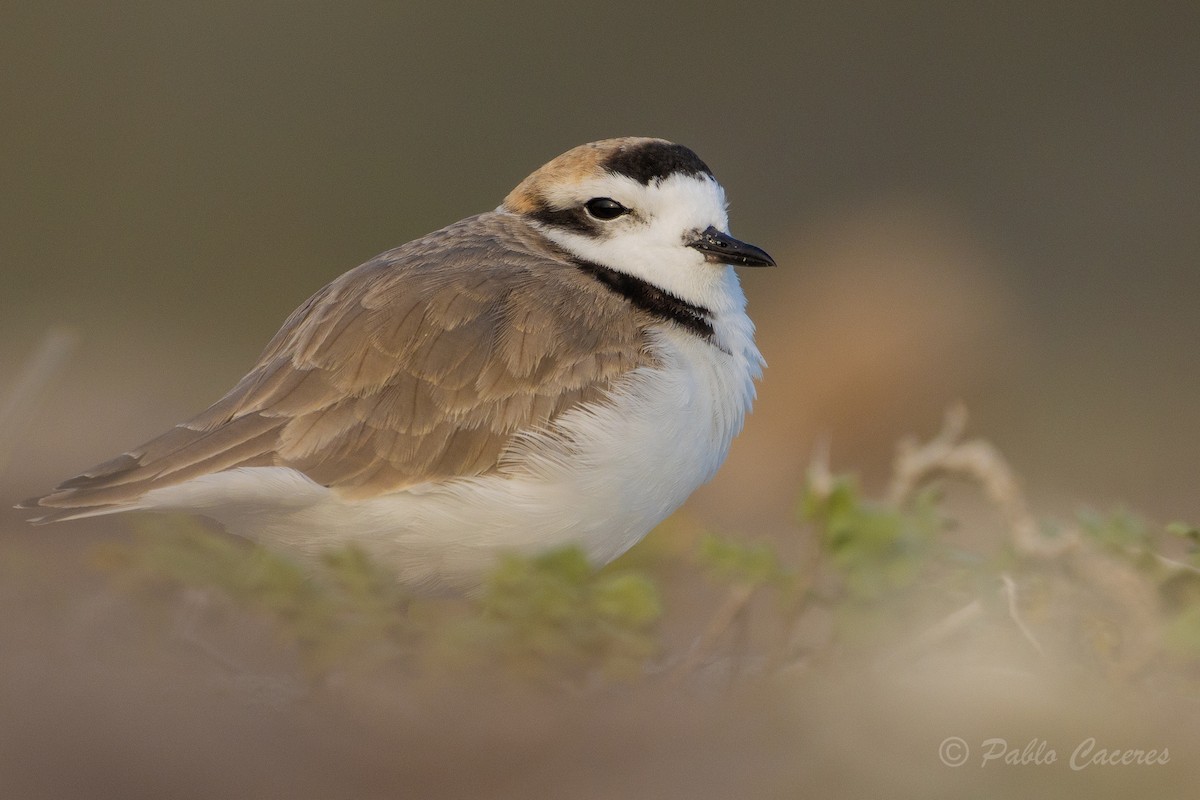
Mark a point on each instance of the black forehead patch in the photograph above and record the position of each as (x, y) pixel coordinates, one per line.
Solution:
(655, 161)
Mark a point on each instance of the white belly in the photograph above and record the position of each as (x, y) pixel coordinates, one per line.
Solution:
(601, 479)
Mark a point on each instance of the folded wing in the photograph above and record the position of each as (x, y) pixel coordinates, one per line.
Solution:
(420, 365)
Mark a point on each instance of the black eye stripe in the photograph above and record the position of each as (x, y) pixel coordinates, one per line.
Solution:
(588, 219)
(571, 219)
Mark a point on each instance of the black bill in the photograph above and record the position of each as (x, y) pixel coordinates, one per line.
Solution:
(721, 248)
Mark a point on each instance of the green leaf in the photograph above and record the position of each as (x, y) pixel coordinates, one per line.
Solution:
(756, 564)
(1183, 529)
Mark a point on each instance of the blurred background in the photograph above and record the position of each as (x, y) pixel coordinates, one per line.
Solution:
(995, 204)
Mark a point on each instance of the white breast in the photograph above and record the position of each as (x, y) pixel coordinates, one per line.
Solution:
(602, 478)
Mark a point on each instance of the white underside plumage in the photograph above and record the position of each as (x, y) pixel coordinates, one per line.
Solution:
(601, 478)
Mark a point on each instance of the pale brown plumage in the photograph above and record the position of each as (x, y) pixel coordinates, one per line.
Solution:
(572, 167)
(421, 364)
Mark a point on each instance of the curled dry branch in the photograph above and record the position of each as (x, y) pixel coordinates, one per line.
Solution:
(981, 462)
(1117, 579)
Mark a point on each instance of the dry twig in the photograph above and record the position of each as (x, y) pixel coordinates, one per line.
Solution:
(52, 353)
(981, 462)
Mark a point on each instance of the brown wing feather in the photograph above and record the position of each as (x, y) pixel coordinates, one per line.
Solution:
(419, 365)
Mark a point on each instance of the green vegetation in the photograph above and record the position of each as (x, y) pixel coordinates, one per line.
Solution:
(862, 578)
(550, 617)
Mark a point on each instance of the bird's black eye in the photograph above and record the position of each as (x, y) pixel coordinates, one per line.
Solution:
(605, 208)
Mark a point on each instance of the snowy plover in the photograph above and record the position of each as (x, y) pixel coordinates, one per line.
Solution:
(565, 369)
